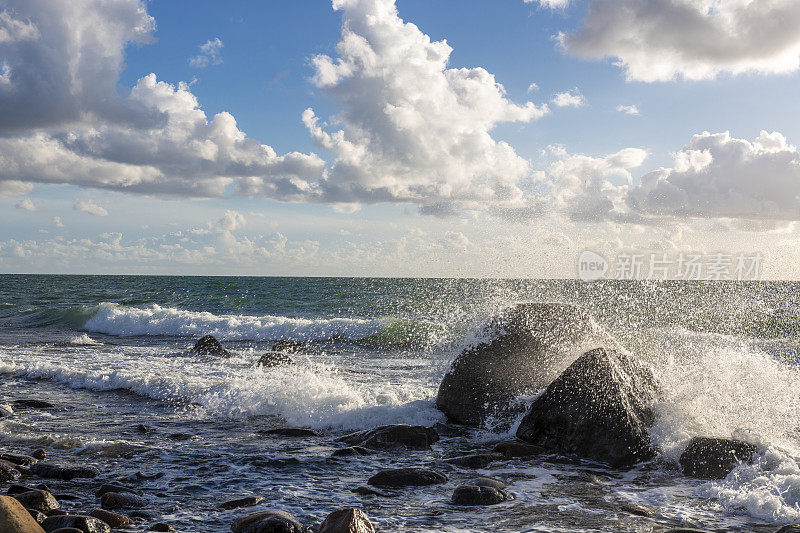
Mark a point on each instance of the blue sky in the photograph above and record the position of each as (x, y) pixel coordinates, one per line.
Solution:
(539, 184)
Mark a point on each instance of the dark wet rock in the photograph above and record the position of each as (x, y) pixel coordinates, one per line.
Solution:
(17, 459)
(181, 437)
(86, 524)
(268, 521)
(363, 490)
(51, 471)
(273, 359)
(490, 482)
(637, 509)
(9, 472)
(19, 489)
(14, 518)
(528, 346)
(161, 526)
(407, 477)
(599, 408)
(249, 501)
(347, 521)
(56, 512)
(514, 448)
(37, 515)
(352, 451)
(290, 432)
(789, 529)
(41, 500)
(32, 404)
(141, 428)
(138, 477)
(122, 500)
(209, 345)
(478, 460)
(289, 346)
(39, 454)
(393, 436)
(112, 519)
(712, 458)
(478, 495)
(112, 487)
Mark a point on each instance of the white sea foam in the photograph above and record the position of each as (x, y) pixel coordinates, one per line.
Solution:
(113, 319)
(83, 340)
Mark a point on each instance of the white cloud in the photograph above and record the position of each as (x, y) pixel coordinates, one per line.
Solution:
(718, 175)
(410, 129)
(14, 187)
(552, 4)
(533, 87)
(26, 204)
(572, 98)
(57, 222)
(89, 206)
(628, 109)
(65, 122)
(231, 220)
(209, 54)
(593, 188)
(660, 40)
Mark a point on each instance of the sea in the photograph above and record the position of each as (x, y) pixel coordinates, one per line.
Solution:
(112, 355)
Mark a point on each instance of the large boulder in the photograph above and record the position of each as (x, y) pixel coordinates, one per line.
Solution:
(40, 500)
(268, 521)
(347, 521)
(86, 524)
(712, 458)
(14, 518)
(393, 436)
(526, 348)
(9, 471)
(209, 345)
(473, 495)
(273, 359)
(599, 408)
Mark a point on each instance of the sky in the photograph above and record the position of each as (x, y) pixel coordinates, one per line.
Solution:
(430, 138)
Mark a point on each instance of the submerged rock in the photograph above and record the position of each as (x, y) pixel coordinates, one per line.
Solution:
(398, 435)
(209, 345)
(122, 500)
(40, 500)
(14, 518)
(289, 346)
(347, 521)
(407, 477)
(712, 458)
(472, 495)
(268, 521)
(86, 524)
(478, 460)
(599, 408)
(17, 459)
(352, 451)
(290, 432)
(39, 454)
(161, 526)
(110, 487)
(528, 346)
(273, 359)
(32, 404)
(514, 448)
(9, 472)
(248, 501)
(66, 473)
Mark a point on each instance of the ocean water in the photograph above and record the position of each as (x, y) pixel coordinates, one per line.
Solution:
(111, 353)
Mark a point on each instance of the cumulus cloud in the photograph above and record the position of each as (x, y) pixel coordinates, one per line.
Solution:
(26, 204)
(57, 222)
(593, 188)
(660, 40)
(572, 98)
(718, 175)
(65, 122)
(14, 188)
(231, 220)
(209, 54)
(409, 128)
(89, 206)
(628, 109)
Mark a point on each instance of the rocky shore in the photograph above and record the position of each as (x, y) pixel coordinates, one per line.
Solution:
(594, 411)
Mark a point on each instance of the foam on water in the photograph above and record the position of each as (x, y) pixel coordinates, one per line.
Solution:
(721, 386)
(83, 340)
(122, 321)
